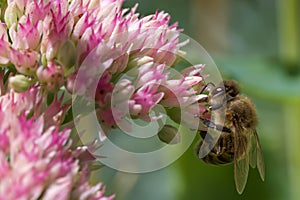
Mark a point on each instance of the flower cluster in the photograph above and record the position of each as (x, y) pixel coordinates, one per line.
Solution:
(94, 49)
(88, 47)
(35, 159)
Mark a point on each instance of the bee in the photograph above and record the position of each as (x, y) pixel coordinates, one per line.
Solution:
(237, 140)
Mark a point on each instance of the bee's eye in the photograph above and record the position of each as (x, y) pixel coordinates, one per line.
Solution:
(219, 90)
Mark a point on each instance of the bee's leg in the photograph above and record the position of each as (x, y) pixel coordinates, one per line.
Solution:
(206, 147)
(198, 147)
(208, 123)
(203, 100)
(215, 107)
(203, 134)
(205, 86)
(217, 127)
(222, 128)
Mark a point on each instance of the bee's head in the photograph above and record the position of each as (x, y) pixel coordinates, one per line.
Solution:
(227, 90)
(232, 88)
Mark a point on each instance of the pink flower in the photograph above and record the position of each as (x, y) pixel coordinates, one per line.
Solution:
(4, 52)
(27, 36)
(144, 100)
(54, 114)
(96, 50)
(183, 92)
(104, 88)
(150, 73)
(36, 10)
(57, 27)
(4, 45)
(91, 46)
(119, 34)
(26, 62)
(36, 160)
(51, 77)
(110, 57)
(22, 103)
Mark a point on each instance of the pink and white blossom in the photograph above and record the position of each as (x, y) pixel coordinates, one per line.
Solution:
(110, 56)
(35, 158)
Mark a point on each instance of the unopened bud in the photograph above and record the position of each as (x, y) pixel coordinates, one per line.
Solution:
(44, 60)
(51, 77)
(169, 134)
(19, 83)
(67, 54)
(12, 14)
(139, 61)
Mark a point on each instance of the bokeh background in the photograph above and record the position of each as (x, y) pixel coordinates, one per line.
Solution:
(256, 43)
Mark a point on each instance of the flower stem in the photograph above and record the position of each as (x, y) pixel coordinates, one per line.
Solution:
(292, 138)
(289, 55)
(288, 32)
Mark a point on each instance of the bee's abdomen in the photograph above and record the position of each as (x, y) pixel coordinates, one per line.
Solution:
(219, 159)
(222, 152)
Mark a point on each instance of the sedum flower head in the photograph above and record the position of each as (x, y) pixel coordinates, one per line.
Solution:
(35, 159)
(40, 29)
(88, 47)
(94, 49)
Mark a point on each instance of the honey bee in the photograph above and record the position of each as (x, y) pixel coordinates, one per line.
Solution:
(238, 141)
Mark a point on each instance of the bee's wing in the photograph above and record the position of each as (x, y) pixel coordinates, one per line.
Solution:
(259, 155)
(241, 160)
(252, 150)
(210, 138)
(208, 142)
(255, 154)
(241, 169)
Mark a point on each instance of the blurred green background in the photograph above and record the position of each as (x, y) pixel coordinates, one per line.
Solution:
(257, 43)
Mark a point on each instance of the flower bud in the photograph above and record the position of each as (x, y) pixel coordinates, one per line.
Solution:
(119, 64)
(123, 91)
(67, 54)
(139, 61)
(12, 14)
(169, 134)
(51, 77)
(26, 62)
(24, 35)
(19, 83)
(3, 32)
(4, 52)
